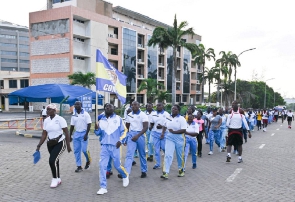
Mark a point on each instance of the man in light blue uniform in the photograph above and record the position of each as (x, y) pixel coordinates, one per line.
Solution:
(137, 124)
(175, 139)
(149, 111)
(223, 130)
(157, 121)
(111, 129)
(81, 121)
(191, 134)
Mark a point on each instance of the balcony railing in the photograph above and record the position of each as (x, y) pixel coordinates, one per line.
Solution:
(199, 71)
(140, 45)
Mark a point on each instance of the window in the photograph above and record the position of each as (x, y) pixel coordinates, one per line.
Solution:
(115, 30)
(24, 54)
(24, 83)
(8, 45)
(8, 60)
(197, 98)
(23, 38)
(184, 98)
(8, 68)
(8, 53)
(23, 46)
(7, 36)
(78, 39)
(24, 69)
(12, 83)
(79, 21)
(114, 51)
(140, 98)
(24, 61)
(59, 1)
(78, 58)
(1, 84)
(177, 98)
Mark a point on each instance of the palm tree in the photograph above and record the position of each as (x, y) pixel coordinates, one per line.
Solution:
(162, 96)
(172, 37)
(220, 71)
(151, 86)
(200, 57)
(85, 80)
(210, 75)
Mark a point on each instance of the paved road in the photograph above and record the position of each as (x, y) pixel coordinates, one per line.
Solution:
(267, 174)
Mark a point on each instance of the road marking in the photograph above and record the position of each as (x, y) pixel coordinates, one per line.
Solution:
(272, 134)
(281, 125)
(233, 176)
(278, 129)
(261, 146)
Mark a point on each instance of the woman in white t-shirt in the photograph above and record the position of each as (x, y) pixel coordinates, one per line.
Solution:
(290, 116)
(55, 130)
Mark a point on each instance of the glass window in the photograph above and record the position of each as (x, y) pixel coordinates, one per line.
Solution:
(177, 98)
(197, 98)
(24, 54)
(8, 60)
(184, 98)
(7, 45)
(8, 68)
(140, 98)
(23, 46)
(24, 61)
(7, 36)
(12, 83)
(152, 61)
(1, 84)
(24, 83)
(24, 69)
(8, 53)
(186, 71)
(23, 38)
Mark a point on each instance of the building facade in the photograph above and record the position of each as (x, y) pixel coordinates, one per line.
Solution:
(14, 61)
(64, 39)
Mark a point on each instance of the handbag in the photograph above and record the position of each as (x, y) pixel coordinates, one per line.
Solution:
(53, 142)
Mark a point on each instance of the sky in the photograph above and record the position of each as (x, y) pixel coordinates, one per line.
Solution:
(225, 25)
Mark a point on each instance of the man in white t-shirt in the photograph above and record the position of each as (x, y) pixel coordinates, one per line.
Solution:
(81, 121)
(44, 113)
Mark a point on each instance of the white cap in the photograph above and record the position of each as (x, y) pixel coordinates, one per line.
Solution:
(51, 106)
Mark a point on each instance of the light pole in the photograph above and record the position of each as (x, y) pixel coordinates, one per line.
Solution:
(265, 92)
(236, 72)
(274, 98)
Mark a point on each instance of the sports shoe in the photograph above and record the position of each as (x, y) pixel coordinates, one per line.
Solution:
(223, 150)
(210, 153)
(156, 167)
(54, 183)
(87, 165)
(164, 176)
(194, 166)
(109, 173)
(143, 175)
(228, 158)
(120, 176)
(240, 160)
(245, 140)
(102, 191)
(126, 181)
(135, 155)
(133, 163)
(79, 169)
(150, 158)
(180, 173)
(59, 181)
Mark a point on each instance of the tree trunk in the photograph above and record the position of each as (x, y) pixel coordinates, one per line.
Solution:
(209, 96)
(203, 82)
(235, 93)
(174, 69)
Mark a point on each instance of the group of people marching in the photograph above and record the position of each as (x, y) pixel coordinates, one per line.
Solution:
(155, 130)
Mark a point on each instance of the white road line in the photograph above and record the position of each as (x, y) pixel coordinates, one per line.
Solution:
(278, 129)
(272, 134)
(261, 146)
(233, 176)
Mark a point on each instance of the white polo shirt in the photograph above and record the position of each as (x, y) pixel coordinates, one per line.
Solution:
(192, 128)
(54, 127)
(176, 123)
(159, 118)
(80, 121)
(136, 120)
(149, 115)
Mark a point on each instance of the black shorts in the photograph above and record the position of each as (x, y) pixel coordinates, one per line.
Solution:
(235, 137)
(289, 118)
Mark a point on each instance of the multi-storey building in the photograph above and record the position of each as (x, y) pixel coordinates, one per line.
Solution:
(64, 39)
(14, 61)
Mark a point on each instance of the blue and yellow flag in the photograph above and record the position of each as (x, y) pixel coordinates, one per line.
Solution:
(109, 79)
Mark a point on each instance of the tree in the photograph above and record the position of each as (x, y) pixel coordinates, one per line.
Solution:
(162, 96)
(200, 56)
(151, 86)
(172, 37)
(85, 80)
(209, 75)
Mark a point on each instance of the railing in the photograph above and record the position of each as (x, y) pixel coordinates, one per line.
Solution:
(28, 124)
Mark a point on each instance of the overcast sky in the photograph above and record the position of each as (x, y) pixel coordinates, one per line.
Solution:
(225, 25)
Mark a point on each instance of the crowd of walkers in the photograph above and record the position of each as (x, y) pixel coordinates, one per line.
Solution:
(152, 135)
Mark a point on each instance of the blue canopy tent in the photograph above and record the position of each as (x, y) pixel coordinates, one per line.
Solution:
(58, 93)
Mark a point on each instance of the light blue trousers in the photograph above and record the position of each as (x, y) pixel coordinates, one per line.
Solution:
(223, 132)
(214, 135)
(174, 142)
(148, 144)
(191, 145)
(131, 147)
(158, 145)
(80, 144)
(109, 152)
(207, 132)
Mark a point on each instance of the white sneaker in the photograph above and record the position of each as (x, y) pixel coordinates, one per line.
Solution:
(126, 181)
(210, 153)
(102, 191)
(59, 181)
(54, 183)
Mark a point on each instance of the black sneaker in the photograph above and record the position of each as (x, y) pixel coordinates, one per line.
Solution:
(109, 173)
(143, 175)
(150, 158)
(120, 176)
(228, 158)
(87, 165)
(133, 163)
(79, 169)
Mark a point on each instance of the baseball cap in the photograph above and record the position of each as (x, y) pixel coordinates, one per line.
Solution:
(51, 106)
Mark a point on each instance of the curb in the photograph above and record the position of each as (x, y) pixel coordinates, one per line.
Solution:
(27, 135)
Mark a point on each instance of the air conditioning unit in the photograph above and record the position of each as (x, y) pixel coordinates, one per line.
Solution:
(139, 60)
(177, 54)
(140, 45)
(140, 76)
(198, 82)
(198, 92)
(161, 64)
(110, 35)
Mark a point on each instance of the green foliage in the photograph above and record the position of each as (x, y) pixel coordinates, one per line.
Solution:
(85, 80)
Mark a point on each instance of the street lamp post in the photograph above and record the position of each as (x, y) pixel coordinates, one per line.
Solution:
(265, 92)
(274, 98)
(236, 73)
